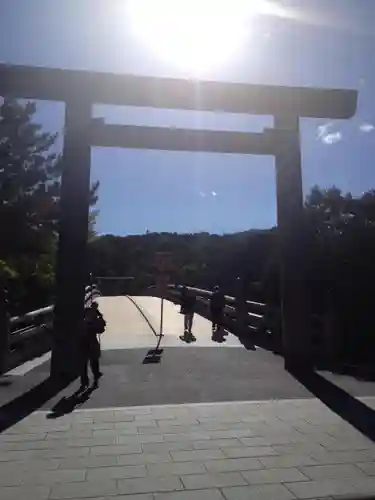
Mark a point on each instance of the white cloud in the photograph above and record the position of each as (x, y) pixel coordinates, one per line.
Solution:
(214, 193)
(366, 127)
(322, 130)
(325, 134)
(201, 193)
(332, 138)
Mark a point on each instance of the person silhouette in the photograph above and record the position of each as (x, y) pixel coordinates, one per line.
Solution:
(94, 324)
(217, 305)
(188, 302)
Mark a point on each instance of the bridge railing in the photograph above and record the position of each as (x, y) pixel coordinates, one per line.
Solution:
(258, 314)
(35, 322)
(261, 318)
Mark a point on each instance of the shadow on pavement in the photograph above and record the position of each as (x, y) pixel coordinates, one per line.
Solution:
(341, 402)
(5, 381)
(28, 350)
(153, 356)
(250, 338)
(69, 404)
(358, 371)
(21, 407)
(247, 338)
(346, 497)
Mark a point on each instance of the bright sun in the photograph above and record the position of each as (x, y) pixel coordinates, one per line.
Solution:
(196, 35)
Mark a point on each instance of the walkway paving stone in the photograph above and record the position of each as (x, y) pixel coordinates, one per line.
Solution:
(274, 450)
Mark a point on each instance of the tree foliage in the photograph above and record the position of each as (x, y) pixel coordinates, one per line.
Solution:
(201, 260)
(342, 268)
(30, 173)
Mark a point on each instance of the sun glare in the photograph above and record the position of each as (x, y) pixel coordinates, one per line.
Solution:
(195, 35)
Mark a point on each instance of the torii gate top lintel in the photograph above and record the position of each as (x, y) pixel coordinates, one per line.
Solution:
(132, 90)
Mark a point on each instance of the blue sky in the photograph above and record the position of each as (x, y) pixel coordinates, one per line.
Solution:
(330, 45)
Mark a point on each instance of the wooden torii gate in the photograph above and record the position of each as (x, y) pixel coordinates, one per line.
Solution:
(80, 90)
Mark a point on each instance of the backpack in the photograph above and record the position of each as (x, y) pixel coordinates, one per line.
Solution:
(100, 324)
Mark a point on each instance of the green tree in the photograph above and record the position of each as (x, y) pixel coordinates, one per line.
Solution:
(30, 173)
(342, 267)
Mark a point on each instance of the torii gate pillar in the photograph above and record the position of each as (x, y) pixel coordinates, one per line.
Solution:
(72, 273)
(295, 314)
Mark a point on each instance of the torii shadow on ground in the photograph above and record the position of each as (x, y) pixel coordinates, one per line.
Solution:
(348, 407)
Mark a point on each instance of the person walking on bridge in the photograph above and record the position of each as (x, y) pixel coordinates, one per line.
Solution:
(188, 302)
(217, 305)
(94, 325)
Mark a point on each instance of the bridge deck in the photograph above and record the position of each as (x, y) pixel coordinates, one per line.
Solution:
(204, 371)
(135, 322)
(126, 326)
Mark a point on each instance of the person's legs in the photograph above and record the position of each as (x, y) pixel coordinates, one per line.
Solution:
(220, 326)
(186, 323)
(94, 364)
(214, 330)
(185, 336)
(84, 374)
(215, 325)
(189, 322)
(217, 318)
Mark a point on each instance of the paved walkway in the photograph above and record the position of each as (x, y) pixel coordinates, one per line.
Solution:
(90, 446)
(134, 322)
(235, 451)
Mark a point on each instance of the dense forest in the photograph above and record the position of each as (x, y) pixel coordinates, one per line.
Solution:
(201, 260)
(339, 249)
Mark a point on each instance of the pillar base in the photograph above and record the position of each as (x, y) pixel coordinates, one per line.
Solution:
(65, 362)
(298, 364)
(59, 373)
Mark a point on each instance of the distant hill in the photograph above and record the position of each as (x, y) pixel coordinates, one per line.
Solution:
(200, 259)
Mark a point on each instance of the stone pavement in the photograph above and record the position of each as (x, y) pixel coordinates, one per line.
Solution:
(274, 450)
